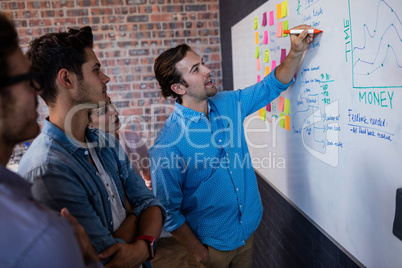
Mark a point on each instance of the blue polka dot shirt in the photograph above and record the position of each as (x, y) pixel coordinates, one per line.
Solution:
(201, 168)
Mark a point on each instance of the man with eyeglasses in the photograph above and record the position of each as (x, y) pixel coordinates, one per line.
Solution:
(30, 234)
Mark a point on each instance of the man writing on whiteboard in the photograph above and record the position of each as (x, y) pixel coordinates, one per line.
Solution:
(200, 165)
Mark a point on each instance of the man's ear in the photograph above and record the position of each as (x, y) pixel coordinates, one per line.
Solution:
(64, 78)
(178, 88)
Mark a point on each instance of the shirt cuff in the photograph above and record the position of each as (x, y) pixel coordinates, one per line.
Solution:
(276, 83)
(173, 224)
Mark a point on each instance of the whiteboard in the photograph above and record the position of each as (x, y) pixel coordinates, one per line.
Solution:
(337, 157)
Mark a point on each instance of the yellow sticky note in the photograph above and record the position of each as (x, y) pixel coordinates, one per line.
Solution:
(266, 56)
(287, 107)
(266, 71)
(279, 30)
(284, 27)
(255, 23)
(287, 122)
(257, 52)
(263, 114)
(256, 38)
(258, 65)
(282, 120)
(278, 11)
(284, 12)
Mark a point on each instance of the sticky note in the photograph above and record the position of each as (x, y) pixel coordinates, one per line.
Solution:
(266, 71)
(278, 11)
(264, 19)
(284, 27)
(273, 64)
(281, 103)
(283, 54)
(263, 114)
(257, 52)
(255, 23)
(287, 107)
(271, 18)
(284, 12)
(268, 108)
(266, 56)
(282, 120)
(256, 38)
(265, 40)
(287, 122)
(279, 29)
(258, 65)
(258, 78)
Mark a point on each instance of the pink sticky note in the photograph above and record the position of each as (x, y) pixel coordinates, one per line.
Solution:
(265, 40)
(258, 78)
(279, 30)
(273, 65)
(258, 65)
(281, 103)
(268, 108)
(264, 19)
(271, 18)
(283, 54)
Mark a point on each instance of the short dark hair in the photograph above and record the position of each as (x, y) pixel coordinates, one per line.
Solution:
(8, 45)
(166, 72)
(54, 51)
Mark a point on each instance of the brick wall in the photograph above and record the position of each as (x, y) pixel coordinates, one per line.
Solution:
(129, 35)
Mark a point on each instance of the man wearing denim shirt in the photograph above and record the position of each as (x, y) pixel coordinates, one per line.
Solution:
(200, 165)
(86, 170)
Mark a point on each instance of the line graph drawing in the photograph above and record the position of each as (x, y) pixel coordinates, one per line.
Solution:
(376, 45)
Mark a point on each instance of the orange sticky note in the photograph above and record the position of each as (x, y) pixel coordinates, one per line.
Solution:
(284, 12)
(256, 38)
(281, 103)
(287, 122)
(263, 114)
(282, 120)
(266, 71)
(258, 64)
(279, 30)
(278, 11)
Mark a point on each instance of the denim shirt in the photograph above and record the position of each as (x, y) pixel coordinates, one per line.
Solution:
(62, 176)
(201, 169)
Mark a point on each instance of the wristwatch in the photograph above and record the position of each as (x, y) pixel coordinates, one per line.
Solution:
(151, 244)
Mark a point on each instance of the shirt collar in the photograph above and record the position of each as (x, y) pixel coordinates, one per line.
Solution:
(190, 114)
(68, 142)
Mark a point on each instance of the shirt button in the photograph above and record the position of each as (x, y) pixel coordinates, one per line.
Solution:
(237, 189)
(111, 223)
(86, 153)
(108, 199)
(220, 140)
(241, 222)
(240, 206)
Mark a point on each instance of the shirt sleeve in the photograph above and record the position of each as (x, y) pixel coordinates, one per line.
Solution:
(167, 175)
(57, 188)
(255, 97)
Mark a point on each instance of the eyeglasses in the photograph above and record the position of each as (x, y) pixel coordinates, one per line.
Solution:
(31, 76)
